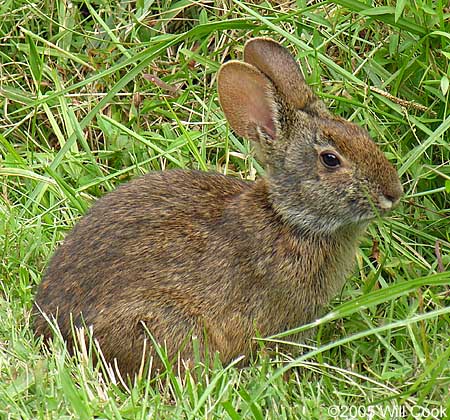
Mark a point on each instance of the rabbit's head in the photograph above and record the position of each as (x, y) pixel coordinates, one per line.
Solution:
(324, 172)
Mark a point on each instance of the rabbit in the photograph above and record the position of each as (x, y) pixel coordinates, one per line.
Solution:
(183, 253)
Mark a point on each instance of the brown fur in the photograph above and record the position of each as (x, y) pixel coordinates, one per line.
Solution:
(188, 252)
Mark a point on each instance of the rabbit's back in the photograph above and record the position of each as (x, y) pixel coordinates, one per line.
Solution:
(131, 236)
(159, 248)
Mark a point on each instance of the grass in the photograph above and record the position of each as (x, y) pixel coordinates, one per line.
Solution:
(93, 94)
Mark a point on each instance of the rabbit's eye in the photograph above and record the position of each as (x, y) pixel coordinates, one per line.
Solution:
(330, 160)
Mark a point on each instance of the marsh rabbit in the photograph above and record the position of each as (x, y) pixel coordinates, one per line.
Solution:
(188, 252)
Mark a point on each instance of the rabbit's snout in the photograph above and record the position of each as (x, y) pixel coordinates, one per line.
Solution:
(387, 202)
(389, 197)
(391, 192)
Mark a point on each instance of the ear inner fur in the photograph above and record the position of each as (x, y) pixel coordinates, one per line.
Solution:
(280, 67)
(246, 97)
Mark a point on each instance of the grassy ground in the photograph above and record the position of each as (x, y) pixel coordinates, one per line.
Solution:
(93, 94)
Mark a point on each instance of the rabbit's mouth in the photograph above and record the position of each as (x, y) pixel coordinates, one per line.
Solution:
(386, 203)
(376, 209)
(379, 205)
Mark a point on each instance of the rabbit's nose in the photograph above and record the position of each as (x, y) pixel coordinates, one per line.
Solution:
(388, 201)
(390, 197)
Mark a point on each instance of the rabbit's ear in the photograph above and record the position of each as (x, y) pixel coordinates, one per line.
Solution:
(279, 66)
(247, 99)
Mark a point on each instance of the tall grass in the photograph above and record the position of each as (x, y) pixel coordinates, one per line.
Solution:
(93, 94)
